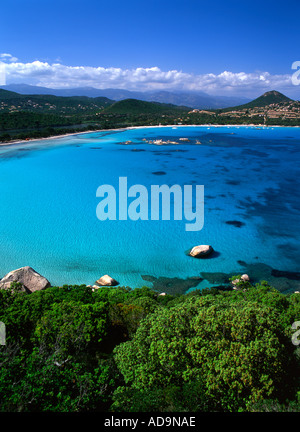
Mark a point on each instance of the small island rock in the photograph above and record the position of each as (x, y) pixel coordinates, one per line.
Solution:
(200, 251)
(106, 280)
(31, 280)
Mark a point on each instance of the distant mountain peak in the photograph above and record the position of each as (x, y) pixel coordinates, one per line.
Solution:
(268, 98)
(271, 97)
(275, 93)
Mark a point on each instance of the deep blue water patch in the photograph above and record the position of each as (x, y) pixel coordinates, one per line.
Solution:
(235, 223)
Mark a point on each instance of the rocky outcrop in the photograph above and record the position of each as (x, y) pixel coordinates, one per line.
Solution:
(106, 280)
(201, 251)
(243, 278)
(29, 279)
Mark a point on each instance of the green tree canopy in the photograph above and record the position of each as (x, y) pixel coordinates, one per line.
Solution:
(237, 351)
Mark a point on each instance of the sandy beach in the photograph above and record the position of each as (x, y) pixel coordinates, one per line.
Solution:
(27, 141)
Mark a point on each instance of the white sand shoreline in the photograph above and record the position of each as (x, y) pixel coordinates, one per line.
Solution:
(30, 140)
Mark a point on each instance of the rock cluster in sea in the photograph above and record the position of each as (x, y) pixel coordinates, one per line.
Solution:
(29, 280)
(243, 278)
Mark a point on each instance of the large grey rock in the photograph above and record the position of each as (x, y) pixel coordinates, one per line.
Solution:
(31, 280)
(201, 251)
(106, 280)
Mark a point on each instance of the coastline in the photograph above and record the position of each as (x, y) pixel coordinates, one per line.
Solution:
(26, 141)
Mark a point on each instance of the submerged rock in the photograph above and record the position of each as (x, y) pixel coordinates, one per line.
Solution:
(159, 173)
(286, 274)
(201, 250)
(237, 224)
(106, 280)
(31, 280)
(174, 285)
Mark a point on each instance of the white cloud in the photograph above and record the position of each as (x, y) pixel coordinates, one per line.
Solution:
(2, 73)
(7, 57)
(57, 75)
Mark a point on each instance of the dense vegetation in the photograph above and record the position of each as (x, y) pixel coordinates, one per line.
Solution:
(115, 349)
(71, 105)
(26, 120)
(136, 107)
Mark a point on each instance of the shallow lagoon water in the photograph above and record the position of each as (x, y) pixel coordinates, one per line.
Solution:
(251, 203)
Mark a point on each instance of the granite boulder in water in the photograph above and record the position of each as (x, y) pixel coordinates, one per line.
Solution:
(201, 251)
(106, 280)
(29, 279)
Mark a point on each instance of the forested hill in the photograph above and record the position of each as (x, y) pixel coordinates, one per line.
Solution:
(13, 102)
(268, 98)
(135, 106)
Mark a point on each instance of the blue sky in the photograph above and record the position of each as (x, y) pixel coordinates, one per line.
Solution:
(142, 42)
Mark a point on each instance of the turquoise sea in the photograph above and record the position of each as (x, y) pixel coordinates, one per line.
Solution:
(251, 205)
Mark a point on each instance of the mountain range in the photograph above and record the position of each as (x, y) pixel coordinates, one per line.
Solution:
(79, 104)
(134, 106)
(199, 100)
